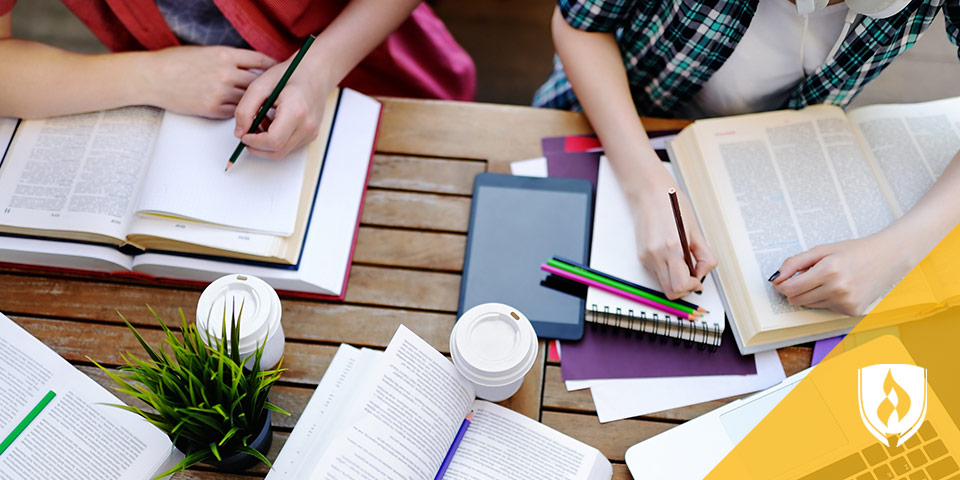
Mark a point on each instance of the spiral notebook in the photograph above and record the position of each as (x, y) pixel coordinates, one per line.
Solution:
(614, 250)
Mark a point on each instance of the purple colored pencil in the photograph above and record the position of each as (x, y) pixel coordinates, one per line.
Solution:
(453, 446)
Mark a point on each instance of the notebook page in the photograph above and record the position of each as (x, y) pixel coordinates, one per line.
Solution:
(187, 179)
(614, 251)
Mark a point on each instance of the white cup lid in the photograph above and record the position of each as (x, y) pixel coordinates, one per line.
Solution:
(260, 315)
(493, 344)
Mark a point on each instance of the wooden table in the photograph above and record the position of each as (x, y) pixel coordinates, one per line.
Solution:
(406, 269)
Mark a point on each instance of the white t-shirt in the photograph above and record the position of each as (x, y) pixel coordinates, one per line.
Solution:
(765, 66)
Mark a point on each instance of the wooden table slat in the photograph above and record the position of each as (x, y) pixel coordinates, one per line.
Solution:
(612, 439)
(302, 319)
(403, 288)
(419, 174)
(423, 211)
(407, 248)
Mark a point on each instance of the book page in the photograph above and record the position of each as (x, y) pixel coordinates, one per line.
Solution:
(76, 434)
(187, 179)
(326, 412)
(405, 420)
(79, 173)
(799, 180)
(503, 444)
(911, 144)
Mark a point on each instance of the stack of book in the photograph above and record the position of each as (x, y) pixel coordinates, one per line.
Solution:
(139, 191)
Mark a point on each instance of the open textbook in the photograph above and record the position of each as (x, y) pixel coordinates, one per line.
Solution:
(155, 180)
(771, 185)
(395, 415)
(55, 422)
(75, 218)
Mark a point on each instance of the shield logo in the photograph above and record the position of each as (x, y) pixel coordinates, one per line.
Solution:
(893, 401)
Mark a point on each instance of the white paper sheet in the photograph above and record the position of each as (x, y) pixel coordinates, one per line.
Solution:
(616, 399)
(535, 167)
(187, 179)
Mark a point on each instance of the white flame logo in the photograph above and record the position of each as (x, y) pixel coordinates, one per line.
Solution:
(893, 401)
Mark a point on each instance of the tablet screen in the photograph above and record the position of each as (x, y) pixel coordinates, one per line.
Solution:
(515, 229)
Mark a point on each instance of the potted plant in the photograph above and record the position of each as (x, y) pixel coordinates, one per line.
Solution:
(214, 410)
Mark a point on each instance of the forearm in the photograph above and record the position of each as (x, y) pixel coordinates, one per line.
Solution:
(357, 30)
(595, 69)
(933, 217)
(41, 81)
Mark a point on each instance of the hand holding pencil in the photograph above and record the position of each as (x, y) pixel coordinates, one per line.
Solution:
(295, 93)
(657, 238)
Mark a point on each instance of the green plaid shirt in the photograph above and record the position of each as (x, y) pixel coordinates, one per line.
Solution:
(671, 48)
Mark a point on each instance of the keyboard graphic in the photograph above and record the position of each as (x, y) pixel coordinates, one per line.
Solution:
(922, 457)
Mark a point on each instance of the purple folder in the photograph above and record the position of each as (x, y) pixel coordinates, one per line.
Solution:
(607, 352)
(823, 347)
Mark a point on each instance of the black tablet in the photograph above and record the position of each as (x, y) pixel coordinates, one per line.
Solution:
(517, 224)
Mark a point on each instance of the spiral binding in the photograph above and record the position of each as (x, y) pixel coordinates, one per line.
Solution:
(688, 332)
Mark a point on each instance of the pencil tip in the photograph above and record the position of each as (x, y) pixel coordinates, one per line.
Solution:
(228, 167)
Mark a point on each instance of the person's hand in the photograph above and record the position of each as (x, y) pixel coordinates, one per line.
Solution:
(202, 81)
(296, 115)
(658, 243)
(845, 277)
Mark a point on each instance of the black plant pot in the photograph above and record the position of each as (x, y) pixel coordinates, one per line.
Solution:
(241, 461)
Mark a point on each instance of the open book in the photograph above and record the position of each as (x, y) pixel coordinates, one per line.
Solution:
(768, 186)
(78, 224)
(395, 415)
(56, 421)
(155, 180)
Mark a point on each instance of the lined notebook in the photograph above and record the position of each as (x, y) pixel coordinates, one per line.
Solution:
(614, 251)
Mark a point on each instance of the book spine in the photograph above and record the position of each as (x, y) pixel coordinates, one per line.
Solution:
(700, 333)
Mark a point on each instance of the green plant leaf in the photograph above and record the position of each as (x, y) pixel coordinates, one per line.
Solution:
(216, 453)
(188, 461)
(140, 339)
(275, 408)
(255, 453)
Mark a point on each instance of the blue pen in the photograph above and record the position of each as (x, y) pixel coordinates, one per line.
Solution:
(454, 445)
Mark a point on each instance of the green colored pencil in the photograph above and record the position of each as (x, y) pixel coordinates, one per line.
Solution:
(267, 105)
(627, 288)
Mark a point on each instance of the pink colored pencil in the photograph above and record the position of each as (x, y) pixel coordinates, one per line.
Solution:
(606, 288)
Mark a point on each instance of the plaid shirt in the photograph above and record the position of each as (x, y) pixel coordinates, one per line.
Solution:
(671, 48)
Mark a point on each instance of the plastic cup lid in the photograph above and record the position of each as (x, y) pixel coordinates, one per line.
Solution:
(260, 315)
(493, 344)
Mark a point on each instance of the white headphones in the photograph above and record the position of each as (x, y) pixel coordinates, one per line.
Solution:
(870, 8)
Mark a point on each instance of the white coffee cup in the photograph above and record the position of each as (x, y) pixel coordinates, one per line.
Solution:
(493, 346)
(259, 320)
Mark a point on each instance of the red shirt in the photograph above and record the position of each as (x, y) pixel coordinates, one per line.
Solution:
(420, 59)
